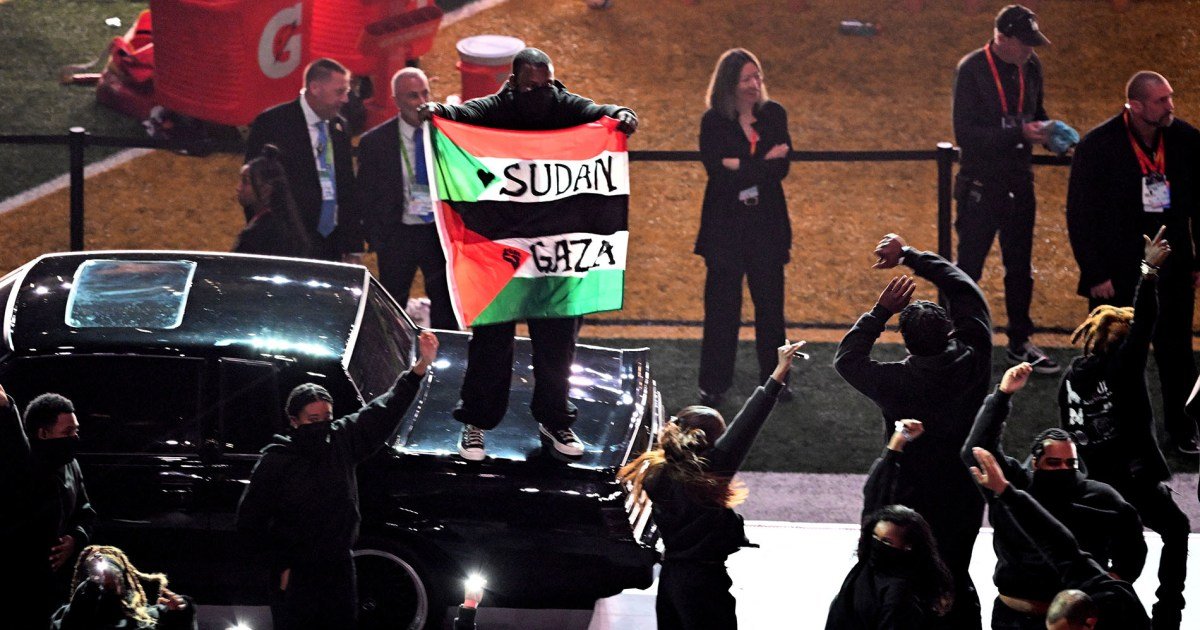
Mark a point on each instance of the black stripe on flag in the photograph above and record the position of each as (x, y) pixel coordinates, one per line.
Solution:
(593, 214)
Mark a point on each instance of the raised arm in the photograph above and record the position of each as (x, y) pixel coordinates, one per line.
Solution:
(853, 359)
(1134, 350)
(880, 488)
(367, 430)
(988, 429)
(729, 451)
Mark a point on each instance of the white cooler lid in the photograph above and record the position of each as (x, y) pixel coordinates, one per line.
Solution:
(489, 50)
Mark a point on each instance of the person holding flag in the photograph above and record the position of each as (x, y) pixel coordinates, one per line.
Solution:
(531, 100)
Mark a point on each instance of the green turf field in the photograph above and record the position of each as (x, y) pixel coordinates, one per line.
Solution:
(830, 427)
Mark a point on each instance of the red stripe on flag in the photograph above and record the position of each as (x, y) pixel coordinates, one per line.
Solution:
(481, 267)
(573, 143)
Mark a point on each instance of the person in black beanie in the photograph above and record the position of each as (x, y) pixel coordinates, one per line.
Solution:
(689, 478)
(300, 510)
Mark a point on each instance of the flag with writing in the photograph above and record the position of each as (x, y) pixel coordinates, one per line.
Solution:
(533, 223)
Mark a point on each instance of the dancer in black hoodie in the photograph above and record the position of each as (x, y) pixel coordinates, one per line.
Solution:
(1104, 404)
(689, 477)
(301, 507)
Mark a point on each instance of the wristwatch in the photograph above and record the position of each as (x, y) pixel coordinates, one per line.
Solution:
(1148, 270)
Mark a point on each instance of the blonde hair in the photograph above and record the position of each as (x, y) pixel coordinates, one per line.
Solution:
(134, 600)
(722, 86)
(1105, 327)
(678, 455)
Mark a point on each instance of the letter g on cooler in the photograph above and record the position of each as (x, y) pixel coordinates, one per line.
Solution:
(279, 45)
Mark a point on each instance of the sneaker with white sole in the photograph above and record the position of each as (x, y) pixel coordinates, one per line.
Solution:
(565, 441)
(470, 445)
(1029, 353)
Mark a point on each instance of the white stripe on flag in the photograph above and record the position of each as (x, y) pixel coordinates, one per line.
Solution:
(535, 181)
(570, 254)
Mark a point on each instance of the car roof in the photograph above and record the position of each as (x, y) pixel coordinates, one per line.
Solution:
(229, 305)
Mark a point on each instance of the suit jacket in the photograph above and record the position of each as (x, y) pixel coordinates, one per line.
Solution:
(381, 185)
(728, 229)
(285, 127)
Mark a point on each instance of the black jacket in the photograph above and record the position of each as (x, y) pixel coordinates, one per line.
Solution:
(1015, 513)
(1106, 526)
(1103, 401)
(301, 506)
(269, 235)
(1105, 220)
(944, 391)
(381, 185)
(285, 126)
(699, 532)
(728, 229)
(990, 152)
(501, 111)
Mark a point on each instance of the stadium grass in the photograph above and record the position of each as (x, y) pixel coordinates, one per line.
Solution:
(831, 428)
(41, 36)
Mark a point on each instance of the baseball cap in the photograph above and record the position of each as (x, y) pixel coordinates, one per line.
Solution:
(1017, 21)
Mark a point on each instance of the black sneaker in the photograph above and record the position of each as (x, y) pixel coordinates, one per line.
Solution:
(565, 441)
(1029, 353)
(713, 399)
(470, 445)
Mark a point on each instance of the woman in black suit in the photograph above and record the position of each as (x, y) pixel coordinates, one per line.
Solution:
(272, 221)
(744, 226)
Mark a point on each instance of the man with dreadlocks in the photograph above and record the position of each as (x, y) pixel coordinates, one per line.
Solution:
(108, 592)
(941, 382)
(1105, 525)
(1105, 405)
(689, 477)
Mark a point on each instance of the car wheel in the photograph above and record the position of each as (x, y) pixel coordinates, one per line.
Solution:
(394, 590)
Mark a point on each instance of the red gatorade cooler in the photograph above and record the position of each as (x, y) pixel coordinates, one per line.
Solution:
(225, 61)
(485, 61)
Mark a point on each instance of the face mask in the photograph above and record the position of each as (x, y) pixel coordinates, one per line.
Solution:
(536, 103)
(55, 452)
(313, 433)
(1054, 485)
(890, 559)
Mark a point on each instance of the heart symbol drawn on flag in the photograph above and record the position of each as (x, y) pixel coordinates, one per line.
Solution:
(485, 176)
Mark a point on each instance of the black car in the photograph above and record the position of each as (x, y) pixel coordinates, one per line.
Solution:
(178, 364)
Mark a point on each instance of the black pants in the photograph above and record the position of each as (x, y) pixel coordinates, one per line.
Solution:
(484, 396)
(695, 596)
(723, 318)
(1172, 346)
(1160, 513)
(413, 247)
(318, 596)
(1005, 618)
(954, 511)
(985, 207)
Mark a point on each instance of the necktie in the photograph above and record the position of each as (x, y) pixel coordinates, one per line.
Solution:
(421, 175)
(328, 220)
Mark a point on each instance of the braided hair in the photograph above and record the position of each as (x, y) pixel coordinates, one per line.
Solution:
(134, 601)
(1105, 328)
(679, 454)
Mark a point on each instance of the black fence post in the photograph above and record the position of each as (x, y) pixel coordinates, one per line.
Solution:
(76, 142)
(945, 167)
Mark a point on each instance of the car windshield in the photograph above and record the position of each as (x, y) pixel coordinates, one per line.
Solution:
(383, 347)
(129, 294)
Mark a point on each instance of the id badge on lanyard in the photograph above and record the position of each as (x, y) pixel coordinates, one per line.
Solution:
(327, 190)
(420, 202)
(1156, 193)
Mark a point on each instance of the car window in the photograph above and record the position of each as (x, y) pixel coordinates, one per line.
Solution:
(129, 294)
(125, 404)
(383, 347)
(250, 407)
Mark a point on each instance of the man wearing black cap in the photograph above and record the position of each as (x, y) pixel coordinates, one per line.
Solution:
(301, 508)
(998, 117)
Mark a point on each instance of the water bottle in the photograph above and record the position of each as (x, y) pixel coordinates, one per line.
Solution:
(859, 28)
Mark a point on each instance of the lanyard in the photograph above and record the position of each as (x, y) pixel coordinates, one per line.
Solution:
(987, 51)
(1159, 165)
(404, 154)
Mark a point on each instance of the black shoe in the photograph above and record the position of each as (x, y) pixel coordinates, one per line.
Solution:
(470, 445)
(711, 399)
(565, 441)
(1029, 353)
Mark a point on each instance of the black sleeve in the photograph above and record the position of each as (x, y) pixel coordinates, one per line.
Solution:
(716, 145)
(1128, 543)
(257, 508)
(727, 455)
(477, 111)
(900, 609)
(82, 519)
(987, 432)
(371, 183)
(975, 126)
(880, 489)
(853, 359)
(1051, 537)
(585, 110)
(1136, 347)
(1086, 190)
(16, 458)
(967, 305)
(368, 429)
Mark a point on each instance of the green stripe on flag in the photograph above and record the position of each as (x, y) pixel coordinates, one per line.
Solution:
(460, 177)
(556, 296)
